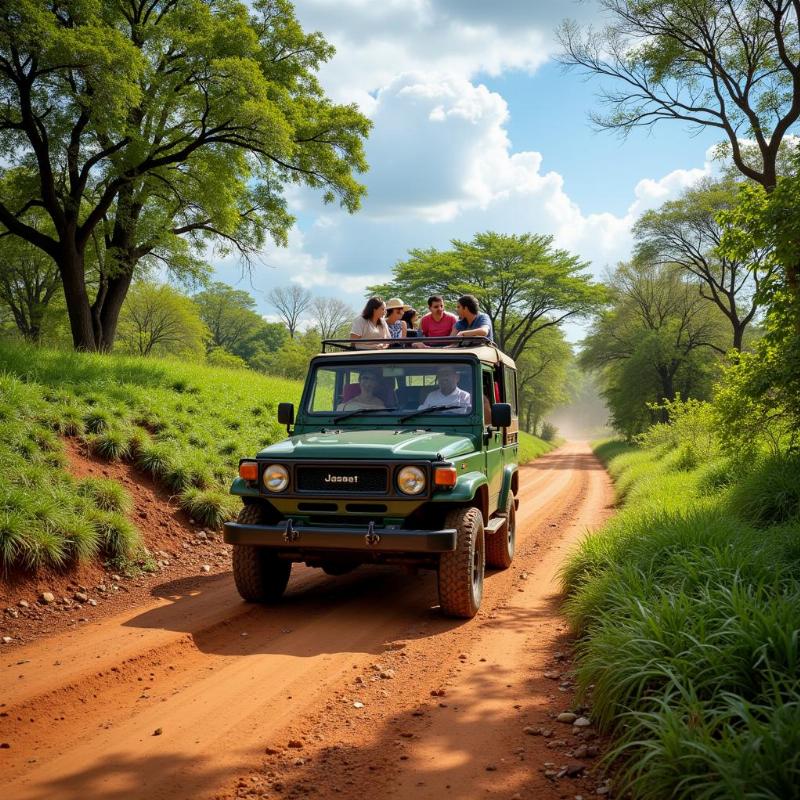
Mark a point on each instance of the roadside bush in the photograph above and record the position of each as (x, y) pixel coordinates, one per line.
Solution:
(770, 492)
(548, 432)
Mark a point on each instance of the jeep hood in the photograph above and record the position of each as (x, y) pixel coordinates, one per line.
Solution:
(381, 443)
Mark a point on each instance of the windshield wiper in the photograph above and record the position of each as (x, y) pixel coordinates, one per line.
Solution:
(360, 411)
(431, 408)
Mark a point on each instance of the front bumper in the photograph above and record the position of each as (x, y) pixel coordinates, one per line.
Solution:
(369, 540)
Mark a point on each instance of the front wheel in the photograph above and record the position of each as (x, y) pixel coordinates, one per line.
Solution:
(260, 576)
(461, 571)
(500, 545)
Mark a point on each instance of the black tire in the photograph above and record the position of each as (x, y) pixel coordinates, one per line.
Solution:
(260, 576)
(500, 546)
(461, 571)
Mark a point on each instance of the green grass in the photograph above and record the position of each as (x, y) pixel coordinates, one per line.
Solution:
(185, 424)
(688, 608)
(531, 447)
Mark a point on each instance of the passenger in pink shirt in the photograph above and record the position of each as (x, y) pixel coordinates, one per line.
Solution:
(437, 322)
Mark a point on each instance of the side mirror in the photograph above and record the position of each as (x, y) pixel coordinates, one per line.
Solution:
(286, 414)
(501, 415)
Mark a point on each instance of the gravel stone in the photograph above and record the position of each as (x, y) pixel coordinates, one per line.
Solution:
(567, 716)
(47, 598)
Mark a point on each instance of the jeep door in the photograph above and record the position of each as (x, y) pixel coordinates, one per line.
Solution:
(493, 442)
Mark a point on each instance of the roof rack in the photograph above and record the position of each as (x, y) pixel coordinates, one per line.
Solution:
(406, 343)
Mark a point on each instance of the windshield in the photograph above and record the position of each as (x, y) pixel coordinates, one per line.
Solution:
(373, 388)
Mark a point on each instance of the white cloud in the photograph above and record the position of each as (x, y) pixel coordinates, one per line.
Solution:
(444, 168)
(376, 41)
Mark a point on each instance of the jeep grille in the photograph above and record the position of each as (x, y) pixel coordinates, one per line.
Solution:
(342, 479)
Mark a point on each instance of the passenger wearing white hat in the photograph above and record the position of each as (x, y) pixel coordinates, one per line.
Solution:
(395, 308)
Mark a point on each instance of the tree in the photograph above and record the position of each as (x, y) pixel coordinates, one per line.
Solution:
(331, 315)
(729, 65)
(542, 377)
(290, 301)
(688, 232)
(658, 339)
(29, 280)
(521, 282)
(230, 316)
(157, 319)
(291, 360)
(107, 101)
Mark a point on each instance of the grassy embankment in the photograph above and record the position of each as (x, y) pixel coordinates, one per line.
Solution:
(689, 605)
(531, 447)
(185, 424)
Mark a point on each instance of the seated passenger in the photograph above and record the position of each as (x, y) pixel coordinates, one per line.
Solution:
(411, 318)
(370, 324)
(448, 392)
(395, 308)
(472, 322)
(437, 322)
(368, 382)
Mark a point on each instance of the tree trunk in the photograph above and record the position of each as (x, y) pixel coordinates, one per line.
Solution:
(107, 307)
(71, 267)
(738, 335)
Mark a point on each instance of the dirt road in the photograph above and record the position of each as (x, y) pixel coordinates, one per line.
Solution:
(353, 687)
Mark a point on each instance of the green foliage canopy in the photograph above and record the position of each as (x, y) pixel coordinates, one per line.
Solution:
(658, 339)
(687, 233)
(105, 101)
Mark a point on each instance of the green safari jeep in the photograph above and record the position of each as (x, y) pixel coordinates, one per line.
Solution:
(396, 456)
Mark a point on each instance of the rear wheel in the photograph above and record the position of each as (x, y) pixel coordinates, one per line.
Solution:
(260, 576)
(500, 545)
(461, 571)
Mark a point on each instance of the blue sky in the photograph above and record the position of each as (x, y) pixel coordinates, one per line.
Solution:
(475, 128)
(549, 113)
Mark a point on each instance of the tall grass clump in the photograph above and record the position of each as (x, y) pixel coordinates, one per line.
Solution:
(687, 604)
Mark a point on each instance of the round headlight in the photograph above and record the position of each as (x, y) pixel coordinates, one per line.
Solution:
(276, 478)
(411, 480)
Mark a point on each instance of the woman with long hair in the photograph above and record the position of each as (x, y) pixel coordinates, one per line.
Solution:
(370, 324)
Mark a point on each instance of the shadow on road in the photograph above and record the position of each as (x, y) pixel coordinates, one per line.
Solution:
(167, 774)
(318, 614)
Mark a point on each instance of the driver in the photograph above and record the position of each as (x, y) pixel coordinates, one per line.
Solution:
(448, 392)
(368, 382)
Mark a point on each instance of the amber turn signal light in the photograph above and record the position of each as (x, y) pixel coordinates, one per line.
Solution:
(248, 470)
(445, 477)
